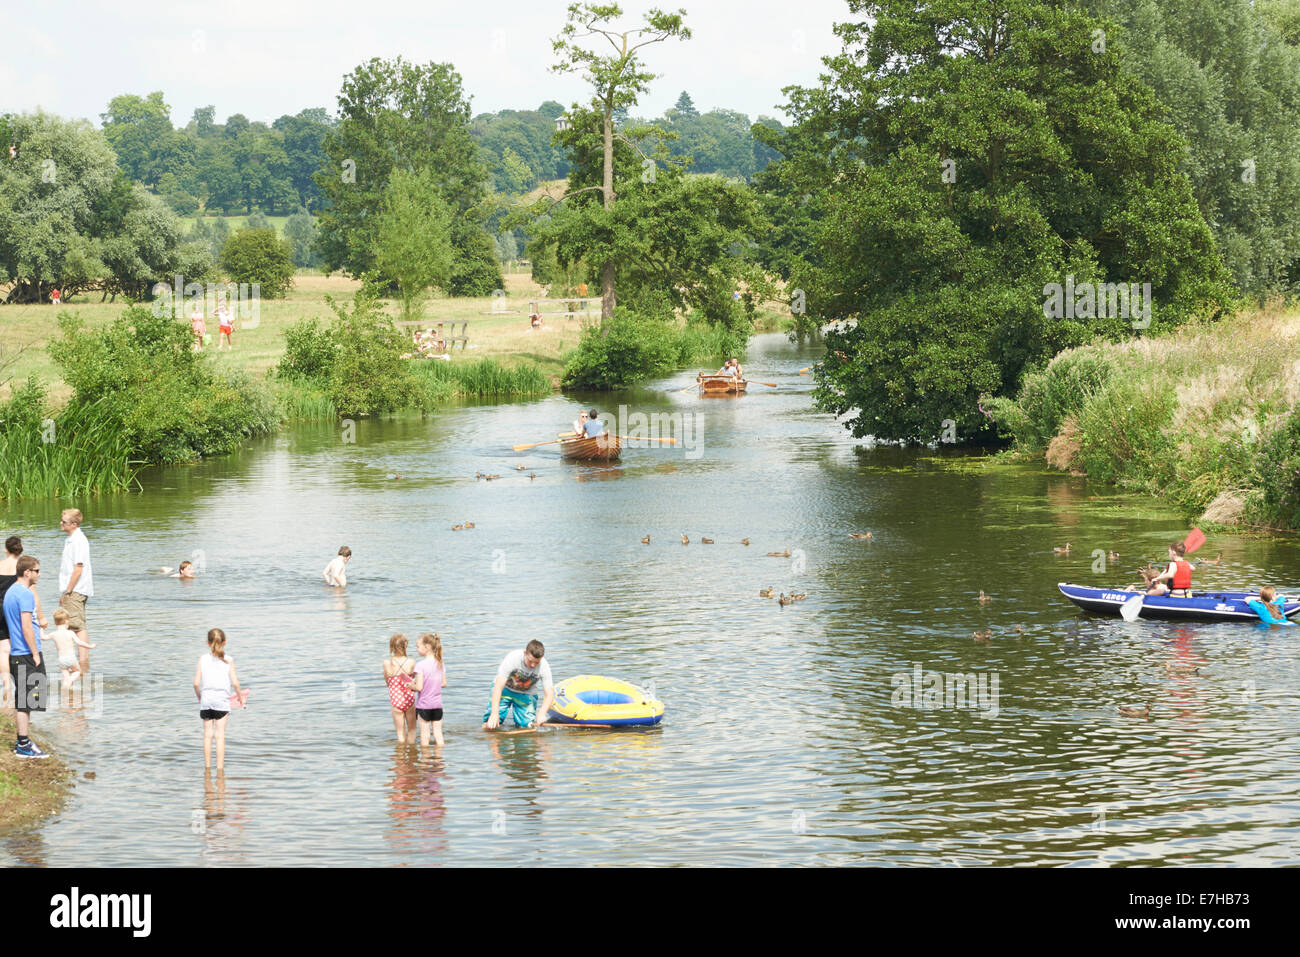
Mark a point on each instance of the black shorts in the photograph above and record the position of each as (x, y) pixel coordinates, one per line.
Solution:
(207, 714)
(32, 685)
(429, 714)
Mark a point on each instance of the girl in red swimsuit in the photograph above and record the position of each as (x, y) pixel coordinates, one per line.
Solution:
(398, 669)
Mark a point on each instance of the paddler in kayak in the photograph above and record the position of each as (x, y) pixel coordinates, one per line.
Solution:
(1176, 580)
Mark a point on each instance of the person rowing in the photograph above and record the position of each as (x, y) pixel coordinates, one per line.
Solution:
(595, 428)
(1178, 575)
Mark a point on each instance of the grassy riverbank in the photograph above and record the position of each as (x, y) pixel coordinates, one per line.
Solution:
(30, 790)
(1204, 419)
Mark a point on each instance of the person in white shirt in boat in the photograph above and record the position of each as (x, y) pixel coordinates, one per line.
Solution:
(580, 423)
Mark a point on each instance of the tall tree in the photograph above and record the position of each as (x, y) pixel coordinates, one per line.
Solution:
(960, 157)
(398, 115)
(414, 238)
(1226, 75)
(617, 81)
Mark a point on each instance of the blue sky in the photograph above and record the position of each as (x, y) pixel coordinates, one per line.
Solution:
(264, 58)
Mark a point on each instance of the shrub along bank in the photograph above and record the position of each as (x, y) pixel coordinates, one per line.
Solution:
(1204, 418)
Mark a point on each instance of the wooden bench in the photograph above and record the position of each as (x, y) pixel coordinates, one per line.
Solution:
(584, 307)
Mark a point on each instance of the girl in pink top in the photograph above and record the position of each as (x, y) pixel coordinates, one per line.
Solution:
(199, 327)
(430, 679)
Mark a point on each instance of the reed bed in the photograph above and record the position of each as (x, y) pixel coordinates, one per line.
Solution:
(81, 453)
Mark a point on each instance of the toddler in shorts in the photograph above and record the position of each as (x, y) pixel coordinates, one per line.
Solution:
(66, 640)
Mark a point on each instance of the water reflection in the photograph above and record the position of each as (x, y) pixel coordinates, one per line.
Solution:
(222, 821)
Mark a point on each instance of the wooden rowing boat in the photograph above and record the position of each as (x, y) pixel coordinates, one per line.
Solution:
(721, 385)
(603, 449)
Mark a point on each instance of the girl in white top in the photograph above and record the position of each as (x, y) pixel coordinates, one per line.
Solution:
(214, 683)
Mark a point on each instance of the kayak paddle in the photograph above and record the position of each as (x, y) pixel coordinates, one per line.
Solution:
(1131, 608)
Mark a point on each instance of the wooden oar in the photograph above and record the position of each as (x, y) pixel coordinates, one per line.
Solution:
(520, 448)
(772, 384)
(644, 438)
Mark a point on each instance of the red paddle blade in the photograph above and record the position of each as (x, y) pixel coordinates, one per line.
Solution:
(1195, 540)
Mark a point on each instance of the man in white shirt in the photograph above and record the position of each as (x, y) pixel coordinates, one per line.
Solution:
(76, 584)
(514, 693)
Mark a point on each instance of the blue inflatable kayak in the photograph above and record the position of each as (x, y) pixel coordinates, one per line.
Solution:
(1201, 606)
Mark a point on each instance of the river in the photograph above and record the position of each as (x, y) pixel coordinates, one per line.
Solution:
(791, 735)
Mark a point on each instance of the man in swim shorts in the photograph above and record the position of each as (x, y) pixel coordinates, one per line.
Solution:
(514, 693)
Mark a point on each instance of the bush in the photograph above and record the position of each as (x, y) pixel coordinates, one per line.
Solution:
(1278, 474)
(309, 351)
(168, 402)
(632, 347)
(1123, 433)
(624, 350)
(259, 256)
(368, 375)
(1048, 397)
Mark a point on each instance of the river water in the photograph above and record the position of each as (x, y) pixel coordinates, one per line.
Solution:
(791, 735)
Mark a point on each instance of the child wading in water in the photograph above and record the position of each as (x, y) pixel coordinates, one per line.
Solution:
(66, 641)
(398, 669)
(430, 679)
(214, 683)
(336, 571)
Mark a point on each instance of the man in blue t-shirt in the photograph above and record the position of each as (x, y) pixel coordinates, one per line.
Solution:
(25, 662)
(595, 428)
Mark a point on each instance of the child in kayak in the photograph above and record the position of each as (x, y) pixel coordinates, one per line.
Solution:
(1178, 574)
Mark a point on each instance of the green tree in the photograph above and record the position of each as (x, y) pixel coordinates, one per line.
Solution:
(617, 82)
(259, 256)
(959, 158)
(1224, 71)
(414, 238)
(140, 130)
(300, 231)
(398, 115)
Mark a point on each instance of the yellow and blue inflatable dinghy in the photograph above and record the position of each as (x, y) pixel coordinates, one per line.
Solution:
(593, 699)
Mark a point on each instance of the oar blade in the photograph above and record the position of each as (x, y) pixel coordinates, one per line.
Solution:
(1131, 608)
(1195, 540)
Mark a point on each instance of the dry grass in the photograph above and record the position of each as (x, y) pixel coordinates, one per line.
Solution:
(1063, 451)
(1228, 508)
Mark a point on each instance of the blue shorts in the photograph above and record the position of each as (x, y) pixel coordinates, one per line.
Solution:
(521, 708)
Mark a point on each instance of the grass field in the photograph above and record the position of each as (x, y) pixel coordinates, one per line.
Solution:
(501, 335)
